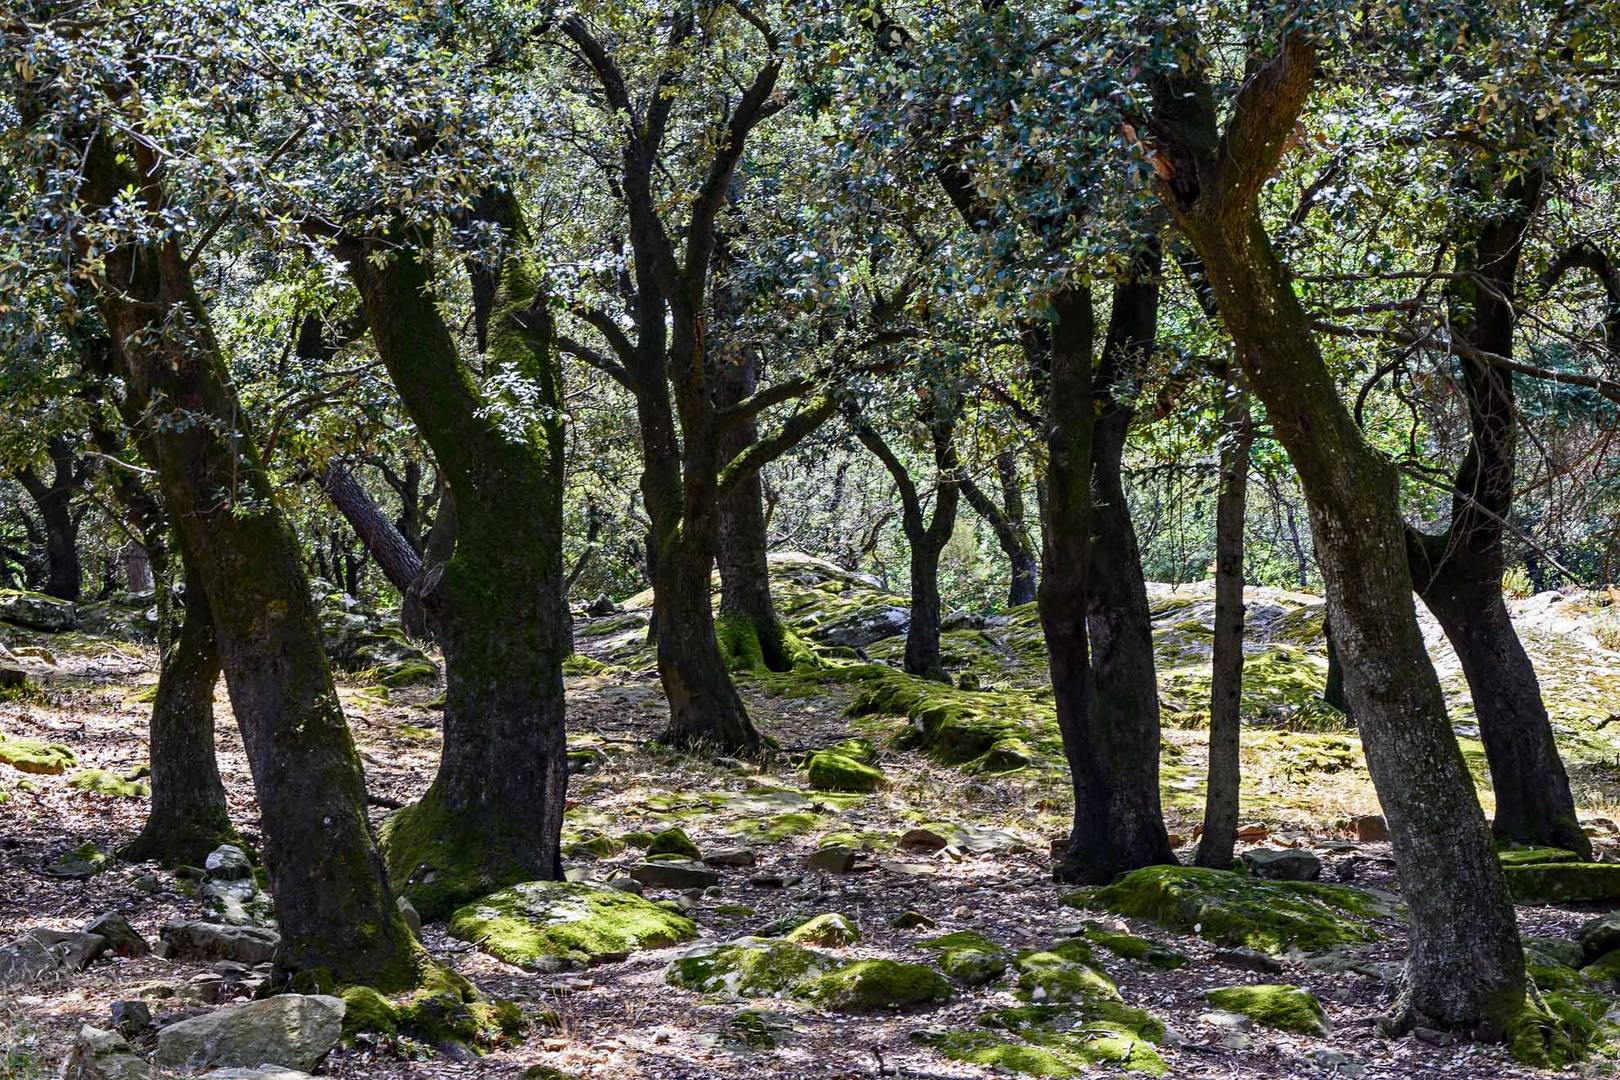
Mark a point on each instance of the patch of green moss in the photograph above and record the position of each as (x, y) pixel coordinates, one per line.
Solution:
(1141, 949)
(1235, 909)
(1555, 1030)
(983, 731)
(35, 756)
(546, 924)
(674, 842)
(407, 673)
(751, 967)
(1272, 1005)
(439, 861)
(599, 846)
(1563, 882)
(1536, 856)
(102, 782)
(1063, 973)
(873, 985)
(832, 771)
(968, 956)
(779, 827)
(580, 664)
(829, 930)
(1058, 1040)
(416, 732)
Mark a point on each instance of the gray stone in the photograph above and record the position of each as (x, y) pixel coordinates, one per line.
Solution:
(834, 859)
(197, 940)
(121, 937)
(84, 861)
(864, 627)
(1600, 935)
(36, 611)
(1336, 1063)
(228, 863)
(131, 1018)
(1283, 864)
(625, 884)
(26, 961)
(76, 949)
(261, 1072)
(293, 1030)
(103, 1055)
(603, 605)
(743, 856)
(674, 874)
(1226, 1021)
(412, 917)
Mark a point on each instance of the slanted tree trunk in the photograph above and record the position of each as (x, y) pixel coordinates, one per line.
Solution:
(926, 535)
(1459, 572)
(493, 815)
(399, 560)
(1465, 967)
(1226, 682)
(1007, 522)
(58, 520)
(335, 909)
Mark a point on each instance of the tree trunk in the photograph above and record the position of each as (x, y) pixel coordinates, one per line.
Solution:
(394, 554)
(922, 635)
(1226, 682)
(1007, 522)
(493, 815)
(1333, 689)
(54, 499)
(335, 909)
(749, 632)
(1465, 967)
(1459, 572)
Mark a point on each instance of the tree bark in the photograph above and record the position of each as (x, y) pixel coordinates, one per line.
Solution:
(333, 902)
(1333, 689)
(1007, 523)
(54, 500)
(493, 815)
(1459, 571)
(1465, 967)
(1226, 682)
(398, 559)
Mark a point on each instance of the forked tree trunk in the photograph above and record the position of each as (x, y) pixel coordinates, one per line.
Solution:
(493, 815)
(58, 520)
(1226, 682)
(1007, 523)
(1465, 967)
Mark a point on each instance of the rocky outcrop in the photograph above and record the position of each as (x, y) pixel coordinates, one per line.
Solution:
(294, 1031)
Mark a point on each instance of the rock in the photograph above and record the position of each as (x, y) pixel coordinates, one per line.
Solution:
(36, 611)
(863, 627)
(874, 986)
(43, 955)
(1246, 959)
(103, 1055)
(121, 937)
(548, 925)
(602, 606)
(1600, 935)
(1562, 883)
(674, 874)
(408, 912)
(237, 903)
(830, 770)
(743, 856)
(968, 957)
(926, 839)
(36, 757)
(131, 1018)
(13, 678)
(912, 920)
(599, 846)
(1283, 864)
(228, 863)
(625, 884)
(1226, 1021)
(673, 842)
(260, 1072)
(292, 1030)
(833, 859)
(831, 930)
(1337, 1064)
(198, 940)
(1285, 1008)
(84, 861)
(1370, 828)
(749, 967)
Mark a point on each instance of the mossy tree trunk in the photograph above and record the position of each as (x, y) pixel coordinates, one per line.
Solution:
(1458, 572)
(926, 533)
(1226, 682)
(335, 909)
(1465, 967)
(493, 815)
(188, 816)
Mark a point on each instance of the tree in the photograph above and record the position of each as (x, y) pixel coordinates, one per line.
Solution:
(59, 518)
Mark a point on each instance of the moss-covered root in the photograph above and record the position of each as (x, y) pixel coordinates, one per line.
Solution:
(1554, 1030)
(439, 862)
(445, 1009)
(1285, 1008)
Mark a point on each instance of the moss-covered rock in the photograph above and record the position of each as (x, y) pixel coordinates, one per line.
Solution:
(968, 956)
(1234, 909)
(35, 756)
(1141, 949)
(831, 771)
(673, 842)
(1063, 973)
(874, 985)
(1563, 882)
(580, 664)
(982, 731)
(445, 1009)
(748, 968)
(546, 925)
(599, 846)
(1536, 856)
(830, 930)
(1285, 1008)
(102, 782)
(1058, 1040)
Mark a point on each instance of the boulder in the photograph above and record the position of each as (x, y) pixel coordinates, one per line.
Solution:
(292, 1030)
(103, 1055)
(830, 770)
(121, 937)
(130, 1018)
(84, 861)
(42, 955)
(1600, 935)
(36, 611)
(874, 986)
(674, 874)
(1370, 828)
(228, 863)
(1283, 864)
(198, 940)
(34, 756)
(968, 956)
(830, 930)
(1563, 883)
(1284, 1008)
(834, 859)
(863, 627)
(742, 856)
(673, 842)
(550, 925)
(602, 606)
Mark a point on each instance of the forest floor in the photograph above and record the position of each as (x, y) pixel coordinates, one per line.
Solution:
(1304, 785)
